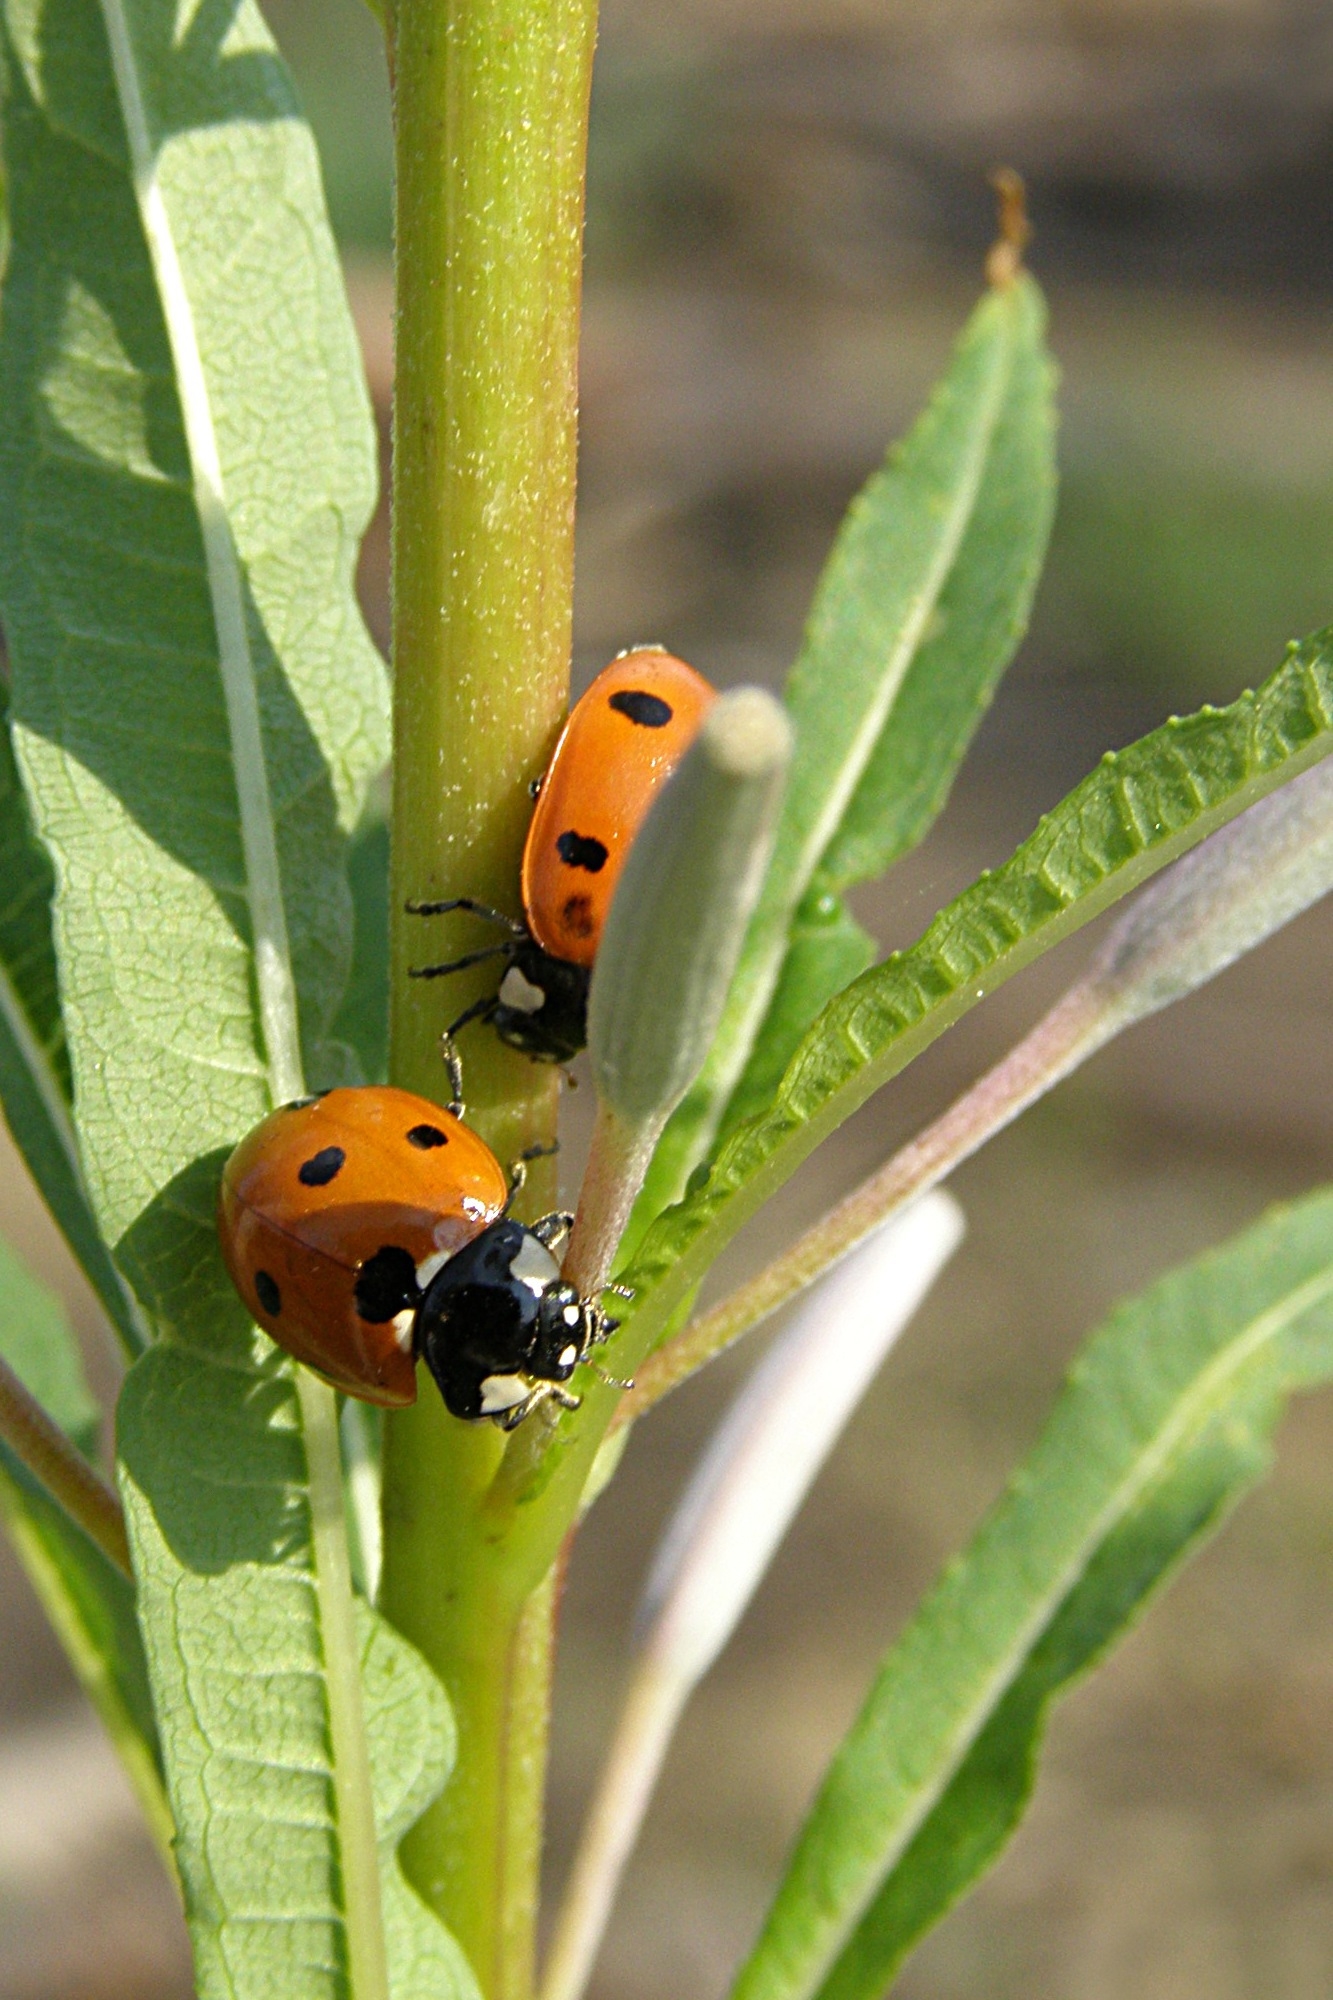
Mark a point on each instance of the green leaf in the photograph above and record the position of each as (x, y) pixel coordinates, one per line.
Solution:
(186, 465)
(1167, 1418)
(412, 1741)
(87, 1600)
(239, 1671)
(826, 950)
(1140, 809)
(922, 603)
(979, 618)
(34, 1067)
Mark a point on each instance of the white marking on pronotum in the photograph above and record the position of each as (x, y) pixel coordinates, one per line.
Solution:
(428, 1266)
(568, 1355)
(268, 918)
(520, 993)
(533, 1265)
(570, 1315)
(502, 1392)
(403, 1323)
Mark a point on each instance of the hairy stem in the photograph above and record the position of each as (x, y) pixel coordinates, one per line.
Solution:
(617, 1164)
(491, 130)
(475, 1855)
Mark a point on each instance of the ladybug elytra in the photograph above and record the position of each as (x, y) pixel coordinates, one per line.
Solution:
(366, 1229)
(621, 743)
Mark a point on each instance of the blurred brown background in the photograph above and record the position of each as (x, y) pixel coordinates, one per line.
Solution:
(787, 219)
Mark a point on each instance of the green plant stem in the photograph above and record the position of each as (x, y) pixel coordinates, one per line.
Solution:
(42, 1446)
(491, 131)
(491, 119)
(475, 1855)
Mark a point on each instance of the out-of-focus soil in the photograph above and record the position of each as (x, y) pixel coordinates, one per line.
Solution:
(786, 244)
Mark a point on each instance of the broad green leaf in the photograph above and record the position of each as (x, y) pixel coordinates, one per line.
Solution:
(1167, 1418)
(186, 465)
(34, 1069)
(88, 1601)
(1140, 809)
(923, 600)
(239, 1676)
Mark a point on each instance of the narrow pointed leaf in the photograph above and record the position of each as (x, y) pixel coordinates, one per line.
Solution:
(1167, 1418)
(1140, 809)
(920, 608)
(89, 1602)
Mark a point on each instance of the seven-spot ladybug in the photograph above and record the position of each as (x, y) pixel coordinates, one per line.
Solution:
(367, 1227)
(621, 743)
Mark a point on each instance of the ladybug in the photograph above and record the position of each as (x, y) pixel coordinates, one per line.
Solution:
(621, 743)
(366, 1229)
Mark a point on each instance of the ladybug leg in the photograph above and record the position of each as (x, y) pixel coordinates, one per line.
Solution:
(460, 964)
(472, 907)
(553, 1229)
(449, 1056)
(518, 1172)
(542, 1392)
(611, 1381)
(518, 1175)
(480, 1010)
(620, 1291)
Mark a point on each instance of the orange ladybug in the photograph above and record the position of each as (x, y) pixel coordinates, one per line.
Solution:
(333, 1214)
(367, 1228)
(620, 744)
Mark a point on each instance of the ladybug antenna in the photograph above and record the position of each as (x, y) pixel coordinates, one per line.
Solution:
(450, 1057)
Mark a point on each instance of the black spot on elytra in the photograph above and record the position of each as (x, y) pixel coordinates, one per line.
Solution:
(580, 850)
(648, 710)
(576, 916)
(385, 1284)
(266, 1291)
(321, 1167)
(426, 1137)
